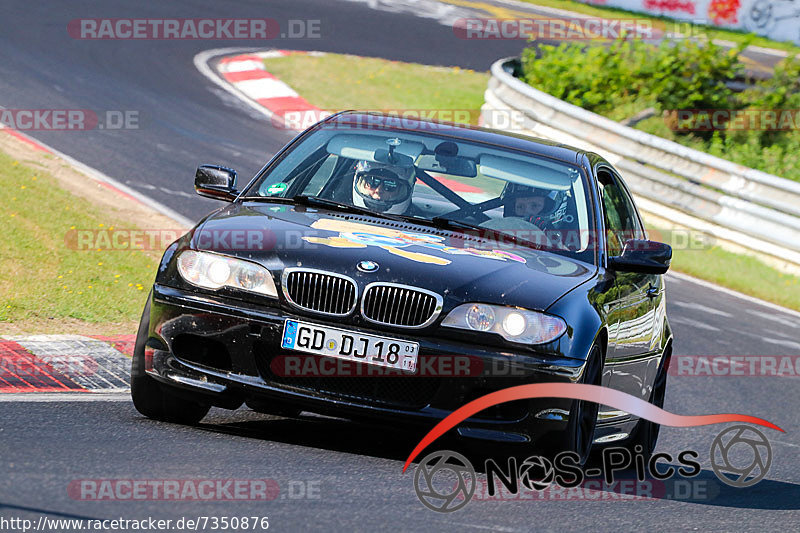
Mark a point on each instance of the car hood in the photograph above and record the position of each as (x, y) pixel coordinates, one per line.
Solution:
(458, 266)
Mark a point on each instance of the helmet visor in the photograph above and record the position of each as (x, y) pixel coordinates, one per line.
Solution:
(382, 185)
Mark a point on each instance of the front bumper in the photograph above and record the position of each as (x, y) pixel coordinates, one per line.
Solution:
(222, 349)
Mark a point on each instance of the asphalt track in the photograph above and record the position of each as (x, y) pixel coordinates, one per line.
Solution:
(186, 120)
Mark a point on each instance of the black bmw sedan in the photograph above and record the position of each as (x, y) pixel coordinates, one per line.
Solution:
(392, 270)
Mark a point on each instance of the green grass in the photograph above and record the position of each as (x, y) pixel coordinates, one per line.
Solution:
(335, 82)
(324, 82)
(739, 272)
(711, 32)
(41, 276)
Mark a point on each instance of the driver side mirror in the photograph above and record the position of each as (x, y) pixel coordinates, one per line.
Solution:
(646, 257)
(216, 182)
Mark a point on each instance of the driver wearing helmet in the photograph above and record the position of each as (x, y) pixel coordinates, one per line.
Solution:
(537, 206)
(382, 187)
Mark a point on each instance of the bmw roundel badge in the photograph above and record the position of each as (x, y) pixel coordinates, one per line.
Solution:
(367, 266)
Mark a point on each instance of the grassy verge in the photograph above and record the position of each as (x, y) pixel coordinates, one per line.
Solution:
(42, 277)
(711, 32)
(325, 82)
(336, 82)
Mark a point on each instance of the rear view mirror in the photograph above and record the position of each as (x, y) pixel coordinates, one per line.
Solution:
(396, 158)
(216, 182)
(646, 257)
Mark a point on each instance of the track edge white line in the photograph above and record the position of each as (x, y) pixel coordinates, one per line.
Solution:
(731, 292)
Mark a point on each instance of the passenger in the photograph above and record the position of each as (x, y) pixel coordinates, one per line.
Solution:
(534, 205)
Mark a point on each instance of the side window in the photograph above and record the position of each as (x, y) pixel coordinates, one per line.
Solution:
(314, 176)
(622, 224)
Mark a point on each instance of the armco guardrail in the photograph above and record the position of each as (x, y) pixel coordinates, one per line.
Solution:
(755, 210)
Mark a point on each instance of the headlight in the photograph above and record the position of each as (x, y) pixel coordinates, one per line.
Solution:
(515, 325)
(212, 271)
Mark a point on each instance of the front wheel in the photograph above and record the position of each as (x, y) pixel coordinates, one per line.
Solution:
(645, 434)
(152, 399)
(579, 434)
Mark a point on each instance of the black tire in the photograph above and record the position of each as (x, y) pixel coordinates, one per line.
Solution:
(152, 399)
(645, 433)
(579, 434)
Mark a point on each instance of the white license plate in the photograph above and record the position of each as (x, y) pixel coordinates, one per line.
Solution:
(349, 345)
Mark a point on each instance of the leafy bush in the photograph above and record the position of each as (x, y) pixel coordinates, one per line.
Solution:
(628, 76)
(682, 75)
(781, 91)
(688, 75)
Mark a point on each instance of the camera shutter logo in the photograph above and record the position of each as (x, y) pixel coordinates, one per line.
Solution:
(730, 443)
(458, 476)
(536, 473)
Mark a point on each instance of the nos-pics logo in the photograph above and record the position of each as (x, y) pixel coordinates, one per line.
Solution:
(446, 481)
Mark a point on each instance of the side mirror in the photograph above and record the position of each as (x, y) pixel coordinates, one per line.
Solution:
(216, 182)
(646, 257)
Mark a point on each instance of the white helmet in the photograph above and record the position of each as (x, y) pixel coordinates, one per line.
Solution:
(383, 187)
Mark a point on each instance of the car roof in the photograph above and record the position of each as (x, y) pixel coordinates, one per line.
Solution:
(516, 141)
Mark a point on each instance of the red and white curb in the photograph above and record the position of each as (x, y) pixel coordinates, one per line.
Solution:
(247, 75)
(65, 363)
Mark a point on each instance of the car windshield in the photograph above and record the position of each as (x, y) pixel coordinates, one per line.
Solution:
(430, 179)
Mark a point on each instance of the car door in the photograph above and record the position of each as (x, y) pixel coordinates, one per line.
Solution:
(631, 307)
